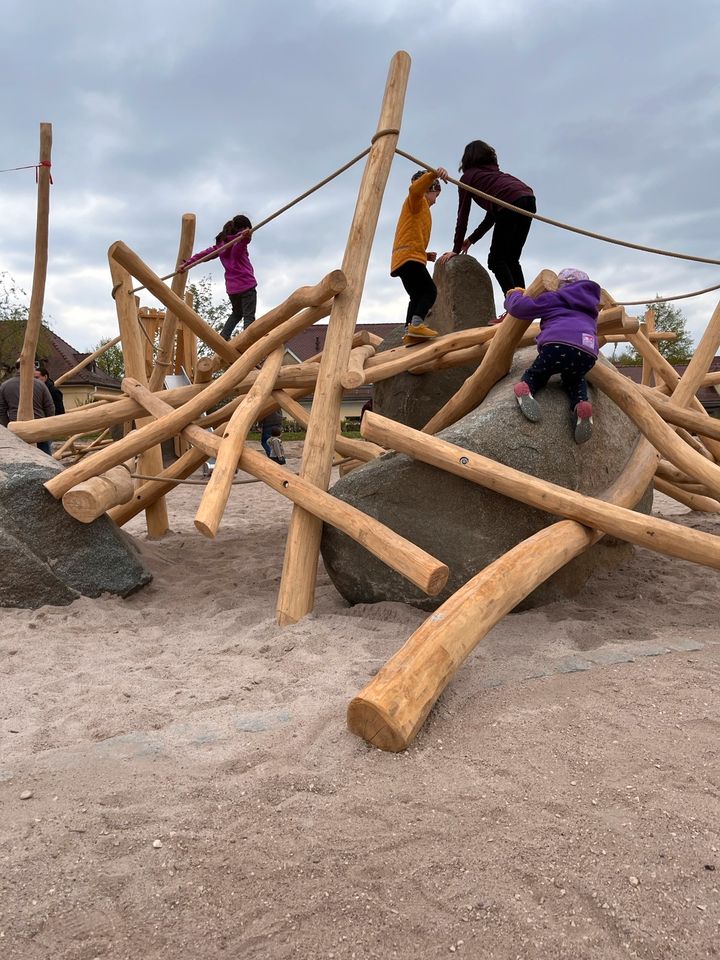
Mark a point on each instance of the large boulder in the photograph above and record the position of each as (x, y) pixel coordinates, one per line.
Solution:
(45, 555)
(467, 526)
(465, 300)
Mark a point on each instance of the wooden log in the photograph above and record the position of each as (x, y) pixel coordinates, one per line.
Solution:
(354, 376)
(37, 295)
(127, 258)
(390, 710)
(297, 587)
(692, 500)
(680, 416)
(648, 374)
(693, 442)
(650, 532)
(87, 361)
(186, 353)
(165, 359)
(90, 499)
(493, 366)
(623, 392)
(156, 432)
(214, 500)
(400, 359)
(711, 379)
(614, 320)
(149, 491)
(349, 465)
(301, 299)
(345, 446)
(427, 573)
(657, 337)
(151, 460)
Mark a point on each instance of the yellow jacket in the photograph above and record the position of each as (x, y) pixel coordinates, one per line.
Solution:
(412, 233)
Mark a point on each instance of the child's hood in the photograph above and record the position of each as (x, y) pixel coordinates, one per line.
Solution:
(581, 295)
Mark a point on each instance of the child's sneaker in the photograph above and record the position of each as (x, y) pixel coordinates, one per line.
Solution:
(582, 415)
(529, 406)
(421, 330)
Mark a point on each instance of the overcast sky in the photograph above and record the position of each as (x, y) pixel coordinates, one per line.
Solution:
(609, 109)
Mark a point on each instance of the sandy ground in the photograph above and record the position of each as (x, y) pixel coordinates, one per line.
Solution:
(194, 791)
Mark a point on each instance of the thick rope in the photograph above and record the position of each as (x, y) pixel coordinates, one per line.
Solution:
(277, 213)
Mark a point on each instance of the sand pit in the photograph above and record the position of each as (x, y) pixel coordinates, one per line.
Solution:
(194, 792)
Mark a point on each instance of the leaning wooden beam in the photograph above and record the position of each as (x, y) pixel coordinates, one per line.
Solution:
(147, 436)
(347, 447)
(693, 442)
(215, 498)
(151, 461)
(297, 587)
(650, 532)
(127, 258)
(648, 374)
(624, 393)
(680, 416)
(90, 499)
(37, 295)
(390, 710)
(413, 563)
(165, 359)
(692, 500)
(493, 366)
(88, 360)
(354, 376)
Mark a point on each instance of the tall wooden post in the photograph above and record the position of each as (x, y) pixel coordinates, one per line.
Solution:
(297, 588)
(150, 462)
(164, 362)
(32, 330)
(648, 376)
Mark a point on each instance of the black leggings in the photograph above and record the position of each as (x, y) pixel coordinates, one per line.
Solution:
(420, 287)
(508, 238)
(243, 308)
(570, 362)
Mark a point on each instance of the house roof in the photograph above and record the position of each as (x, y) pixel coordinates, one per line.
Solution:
(708, 396)
(62, 357)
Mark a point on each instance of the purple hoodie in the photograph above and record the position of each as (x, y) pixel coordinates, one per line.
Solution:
(568, 315)
(239, 275)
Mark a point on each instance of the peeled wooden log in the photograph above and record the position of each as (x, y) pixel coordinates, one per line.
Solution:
(302, 551)
(354, 376)
(692, 500)
(493, 366)
(86, 361)
(215, 498)
(650, 532)
(147, 436)
(90, 499)
(696, 444)
(614, 320)
(390, 710)
(427, 573)
(348, 465)
(680, 416)
(655, 337)
(459, 358)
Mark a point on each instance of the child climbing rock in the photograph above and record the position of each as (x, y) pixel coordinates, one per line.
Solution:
(567, 344)
(240, 281)
(409, 253)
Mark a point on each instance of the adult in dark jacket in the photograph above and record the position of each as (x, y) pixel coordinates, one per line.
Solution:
(43, 405)
(56, 394)
(479, 167)
(567, 344)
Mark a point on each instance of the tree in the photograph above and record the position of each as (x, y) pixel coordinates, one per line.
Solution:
(112, 361)
(671, 320)
(14, 312)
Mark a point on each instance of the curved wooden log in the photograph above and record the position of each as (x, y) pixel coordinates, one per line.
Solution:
(644, 531)
(354, 376)
(147, 436)
(623, 392)
(493, 366)
(390, 710)
(90, 499)
(692, 500)
(215, 498)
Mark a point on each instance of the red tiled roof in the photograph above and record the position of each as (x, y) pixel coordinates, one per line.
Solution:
(62, 357)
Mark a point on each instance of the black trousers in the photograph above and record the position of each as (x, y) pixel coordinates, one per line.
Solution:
(243, 308)
(570, 362)
(420, 287)
(509, 235)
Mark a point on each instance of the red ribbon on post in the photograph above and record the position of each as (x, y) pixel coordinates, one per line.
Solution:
(42, 163)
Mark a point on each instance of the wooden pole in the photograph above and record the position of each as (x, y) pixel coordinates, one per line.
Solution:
(297, 587)
(215, 498)
(493, 366)
(88, 360)
(37, 296)
(165, 360)
(680, 416)
(90, 499)
(390, 710)
(650, 532)
(647, 371)
(150, 462)
(354, 376)
(692, 500)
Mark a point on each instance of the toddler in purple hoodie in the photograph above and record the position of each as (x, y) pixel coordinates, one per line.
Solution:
(567, 344)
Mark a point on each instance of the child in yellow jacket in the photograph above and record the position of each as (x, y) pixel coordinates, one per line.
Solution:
(410, 254)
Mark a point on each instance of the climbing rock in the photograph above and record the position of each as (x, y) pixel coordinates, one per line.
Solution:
(467, 526)
(45, 555)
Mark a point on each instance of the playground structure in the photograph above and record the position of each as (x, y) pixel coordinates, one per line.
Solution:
(679, 450)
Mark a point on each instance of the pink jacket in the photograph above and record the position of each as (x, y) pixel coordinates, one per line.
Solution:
(239, 275)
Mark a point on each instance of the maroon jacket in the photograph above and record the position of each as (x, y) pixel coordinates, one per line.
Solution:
(490, 179)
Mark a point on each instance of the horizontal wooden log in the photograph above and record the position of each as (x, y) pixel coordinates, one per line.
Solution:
(90, 499)
(650, 532)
